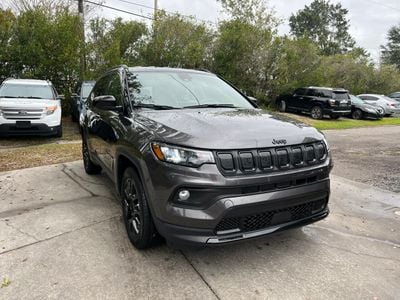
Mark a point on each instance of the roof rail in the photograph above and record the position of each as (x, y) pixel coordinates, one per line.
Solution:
(203, 69)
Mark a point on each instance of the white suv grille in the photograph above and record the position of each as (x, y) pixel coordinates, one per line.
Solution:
(22, 114)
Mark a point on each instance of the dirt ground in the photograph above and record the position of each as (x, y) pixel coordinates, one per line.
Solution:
(367, 155)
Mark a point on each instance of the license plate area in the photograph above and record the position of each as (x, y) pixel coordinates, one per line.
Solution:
(23, 124)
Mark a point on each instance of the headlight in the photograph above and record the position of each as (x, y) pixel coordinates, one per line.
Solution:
(51, 109)
(182, 156)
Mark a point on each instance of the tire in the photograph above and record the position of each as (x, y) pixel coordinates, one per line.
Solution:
(357, 114)
(90, 167)
(136, 212)
(282, 105)
(316, 113)
(335, 117)
(59, 131)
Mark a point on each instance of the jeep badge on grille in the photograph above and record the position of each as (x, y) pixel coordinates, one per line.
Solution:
(279, 142)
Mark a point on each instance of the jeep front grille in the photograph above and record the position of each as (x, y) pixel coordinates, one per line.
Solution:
(252, 161)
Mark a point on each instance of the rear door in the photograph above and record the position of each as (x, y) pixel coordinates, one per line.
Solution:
(297, 100)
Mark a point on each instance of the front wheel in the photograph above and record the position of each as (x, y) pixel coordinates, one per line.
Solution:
(316, 112)
(136, 213)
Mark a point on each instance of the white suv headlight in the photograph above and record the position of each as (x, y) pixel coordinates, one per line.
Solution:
(50, 109)
(182, 156)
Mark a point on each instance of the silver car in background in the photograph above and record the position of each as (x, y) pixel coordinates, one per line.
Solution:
(389, 105)
(395, 96)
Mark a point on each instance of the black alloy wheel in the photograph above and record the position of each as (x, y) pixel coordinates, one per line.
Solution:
(136, 213)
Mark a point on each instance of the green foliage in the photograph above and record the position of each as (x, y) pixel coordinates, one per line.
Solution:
(112, 43)
(176, 41)
(246, 55)
(391, 52)
(325, 24)
(7, 21)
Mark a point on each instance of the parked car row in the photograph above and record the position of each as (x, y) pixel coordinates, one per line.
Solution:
(337, 102)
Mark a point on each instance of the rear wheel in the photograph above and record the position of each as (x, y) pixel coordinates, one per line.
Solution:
(136, 213)
(316, 112)
(282, 105)
(357, 114)
(90, 167)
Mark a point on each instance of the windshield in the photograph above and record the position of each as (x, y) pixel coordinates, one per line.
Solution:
(340, 96)
(86, 89)
(179, 89)
(356, 100)
(9, 90)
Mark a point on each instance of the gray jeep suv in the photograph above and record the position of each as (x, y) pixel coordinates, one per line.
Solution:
(196, 162)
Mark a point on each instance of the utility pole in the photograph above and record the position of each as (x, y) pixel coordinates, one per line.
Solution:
(83, 54)
(155, 10)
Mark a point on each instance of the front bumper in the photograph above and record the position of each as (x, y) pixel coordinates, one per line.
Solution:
(187, 236)
(187, 224)
(37, 129)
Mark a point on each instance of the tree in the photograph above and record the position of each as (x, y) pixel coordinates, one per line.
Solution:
(325, 24)
(391, 51)
(112, 43)
(245, 51)
(177, 41)
(7, 22)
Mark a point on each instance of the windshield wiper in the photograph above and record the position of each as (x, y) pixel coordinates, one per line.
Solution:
(154, 106)
(211, 105)
(32, 97)
(8, 97)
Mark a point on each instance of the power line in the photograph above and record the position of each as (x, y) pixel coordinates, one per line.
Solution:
(118, 9)
(168, 12)
(384, 5)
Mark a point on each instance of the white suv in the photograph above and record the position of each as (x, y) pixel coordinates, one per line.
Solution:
(29, 107)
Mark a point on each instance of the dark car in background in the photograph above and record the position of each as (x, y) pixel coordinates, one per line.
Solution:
(317, 101)
(195, 161)
(79, 97)
(362, 110)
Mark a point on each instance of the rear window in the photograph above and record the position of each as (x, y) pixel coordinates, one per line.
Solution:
(10, 90)
(340, 96)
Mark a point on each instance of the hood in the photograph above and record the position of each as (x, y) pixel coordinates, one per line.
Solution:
(25, 103)
(225, 128)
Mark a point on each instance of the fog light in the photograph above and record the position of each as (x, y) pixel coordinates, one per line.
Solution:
(183, 195)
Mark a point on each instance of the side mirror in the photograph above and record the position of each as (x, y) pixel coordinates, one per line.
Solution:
(106, 102)
(253, 100)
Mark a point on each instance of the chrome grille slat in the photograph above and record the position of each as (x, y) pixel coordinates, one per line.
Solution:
(22, 114)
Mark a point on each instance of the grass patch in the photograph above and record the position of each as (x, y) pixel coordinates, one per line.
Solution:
(343, 123)
(34, 156)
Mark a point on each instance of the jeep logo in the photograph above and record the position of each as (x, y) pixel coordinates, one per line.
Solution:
(279, 142)
(23, 112)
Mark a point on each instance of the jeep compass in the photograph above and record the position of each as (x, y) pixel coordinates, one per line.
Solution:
(196, 162)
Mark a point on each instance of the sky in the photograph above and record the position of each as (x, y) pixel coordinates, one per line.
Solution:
(370, 20)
